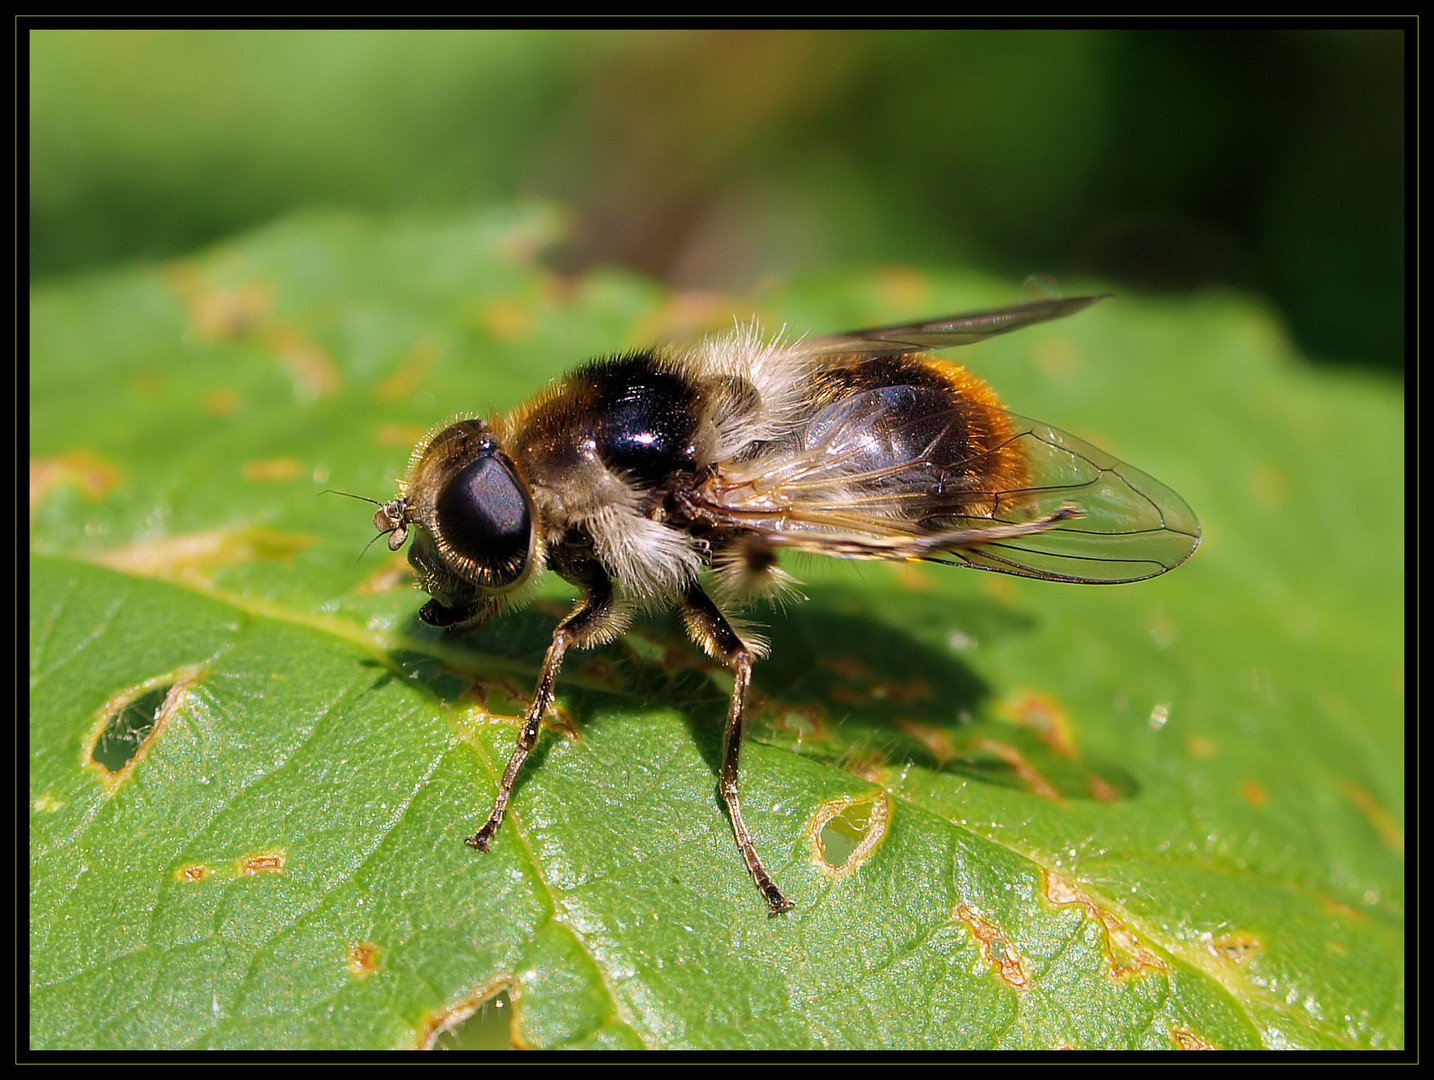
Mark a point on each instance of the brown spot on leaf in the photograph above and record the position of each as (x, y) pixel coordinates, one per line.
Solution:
(847, 667)
(686, 314)
(493, 699)
(1044, 715)
(912, 577)
(1269, 484)
(1028, 774)
(273, 470)
(1188, 1040)
(412, 373)
(938, 741)
(902, 288)
(671, 654)
(310, 368)
(500, 701)
(1056, 357)
(999, 952)
(91, 475)
(192, 873)
(222, 402)
(560, 719)
(148, 383)
(263, 862)
(220, 313)
(404, 435)
(906, 693)
(804, 721)
(525, 240)
(509, 319)
(363, 959)
(1254, 793)
(510, 695)
(1344, 911)
(1384, 823)
(1101, 790)
(868, 686)
(1126, 954)
(998, 588)
(192, 557)
(1199, 748)
(1236, 948)
(866, 764)
(394, 574)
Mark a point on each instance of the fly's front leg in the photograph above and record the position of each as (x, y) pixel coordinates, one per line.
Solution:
(710, 629)
(588, 624)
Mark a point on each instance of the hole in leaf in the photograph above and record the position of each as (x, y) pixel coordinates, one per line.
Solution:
(840, 836)
(489, 1027)
(126, 729)
(132, 721)
(847, 832)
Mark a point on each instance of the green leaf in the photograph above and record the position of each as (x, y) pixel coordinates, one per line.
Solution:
(1010, 813)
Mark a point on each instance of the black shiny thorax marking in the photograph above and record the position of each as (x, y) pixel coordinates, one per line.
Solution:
(644, 419)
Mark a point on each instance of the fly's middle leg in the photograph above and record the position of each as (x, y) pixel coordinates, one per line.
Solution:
(710, 629)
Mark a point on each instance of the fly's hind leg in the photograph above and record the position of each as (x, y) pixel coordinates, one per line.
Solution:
(710, 629)
(593, 622)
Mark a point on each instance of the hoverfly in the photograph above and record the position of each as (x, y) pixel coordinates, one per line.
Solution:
(677, 477)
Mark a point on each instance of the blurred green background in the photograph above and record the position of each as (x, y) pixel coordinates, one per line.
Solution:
(1156, 159)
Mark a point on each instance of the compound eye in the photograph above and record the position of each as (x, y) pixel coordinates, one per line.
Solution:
(484, 517)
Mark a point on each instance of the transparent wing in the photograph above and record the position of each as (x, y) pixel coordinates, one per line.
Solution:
(1131, 526)
(878, 477)
(949, 331)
